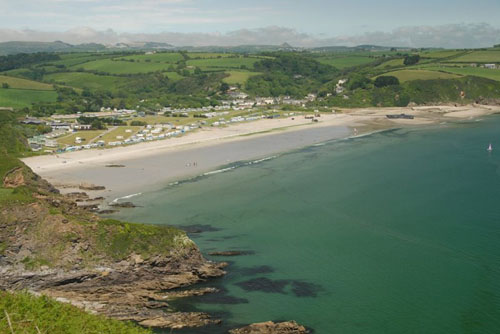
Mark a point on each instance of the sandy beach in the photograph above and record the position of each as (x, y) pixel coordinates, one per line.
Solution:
(154, 164)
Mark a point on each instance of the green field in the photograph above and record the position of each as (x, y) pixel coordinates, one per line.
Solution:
(479, 57)
(474, 71)
(24, 84)
(164, 57)
(240, 77)
(441, 54)
(20, 98)
(345, 62)
(202, 55)
(174, 76)
(410, 75)
(77, 59)
(86, 80)
(223, 63)
(86, 135)
(392, 63)
(122, 67)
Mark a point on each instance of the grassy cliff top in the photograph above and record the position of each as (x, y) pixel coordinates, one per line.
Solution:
(29, 314)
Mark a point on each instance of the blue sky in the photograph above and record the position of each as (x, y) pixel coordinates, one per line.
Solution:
(318, 19)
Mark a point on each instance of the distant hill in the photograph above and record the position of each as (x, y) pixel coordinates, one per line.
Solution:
(353, 48)
(7, 48)
(14, 47)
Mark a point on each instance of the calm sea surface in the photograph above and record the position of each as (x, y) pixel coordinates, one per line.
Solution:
(397, 232)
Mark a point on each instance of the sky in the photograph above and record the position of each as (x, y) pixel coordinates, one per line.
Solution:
(306, 22)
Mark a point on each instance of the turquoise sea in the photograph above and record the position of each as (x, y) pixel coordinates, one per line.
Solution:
(395, 232)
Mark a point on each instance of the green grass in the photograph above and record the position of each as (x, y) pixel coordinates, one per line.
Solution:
(392, 63)
(77, 59)
(87, 135)
(411, 75)
(118, 239)
(19, 195)
(120, 131)
(345, 62)
(32, 315)
(24, 84)
(223, 63)
(86, 80)
(474, 71)
(164, 57)
(209, 55)
(20, 98)
(240, 77)
(122, 67)
(441, 54)
(174, 76)
(479, 57)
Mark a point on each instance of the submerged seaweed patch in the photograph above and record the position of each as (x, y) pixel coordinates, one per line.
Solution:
(221, 297)
(305, 289)
(298, 288)
(255, 270)
(198, 228)
(265, 285)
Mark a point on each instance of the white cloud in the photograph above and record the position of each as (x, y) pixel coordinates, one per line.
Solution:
(449, 36)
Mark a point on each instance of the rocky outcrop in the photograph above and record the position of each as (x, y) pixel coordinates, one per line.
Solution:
(135, 289)
(50, 245)
(89, 186)
(122, 205)
(289, 327)
(23, 176)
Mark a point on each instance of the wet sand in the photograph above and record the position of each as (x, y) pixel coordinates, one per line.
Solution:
(157, 170)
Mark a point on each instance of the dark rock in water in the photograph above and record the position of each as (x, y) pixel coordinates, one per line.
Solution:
(288, 327)
(86, 186)
(256, 270)
(90, 207)
(100, 198)
(123, 205)
(115, 166)
(198, 228)
(305, 289)
(265, 285)
(77, 195)
(231, 253)
(106, 212)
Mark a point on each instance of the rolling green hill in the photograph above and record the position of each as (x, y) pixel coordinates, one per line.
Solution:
(20, 98)
(411, 75)
(24, 84)
(345, 61)
(87, 81)
(112, 66)
(492, 56)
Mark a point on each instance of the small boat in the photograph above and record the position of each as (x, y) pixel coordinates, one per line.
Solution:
(490, 148)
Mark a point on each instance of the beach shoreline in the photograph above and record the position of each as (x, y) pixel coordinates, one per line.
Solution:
(125, 171)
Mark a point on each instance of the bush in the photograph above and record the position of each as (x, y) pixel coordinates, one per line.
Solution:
(5, 85)
(358, 81)
(138, 123)
(411, 60)
(384, 81)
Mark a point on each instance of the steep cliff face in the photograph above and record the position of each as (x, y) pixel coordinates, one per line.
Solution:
(51, 246)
